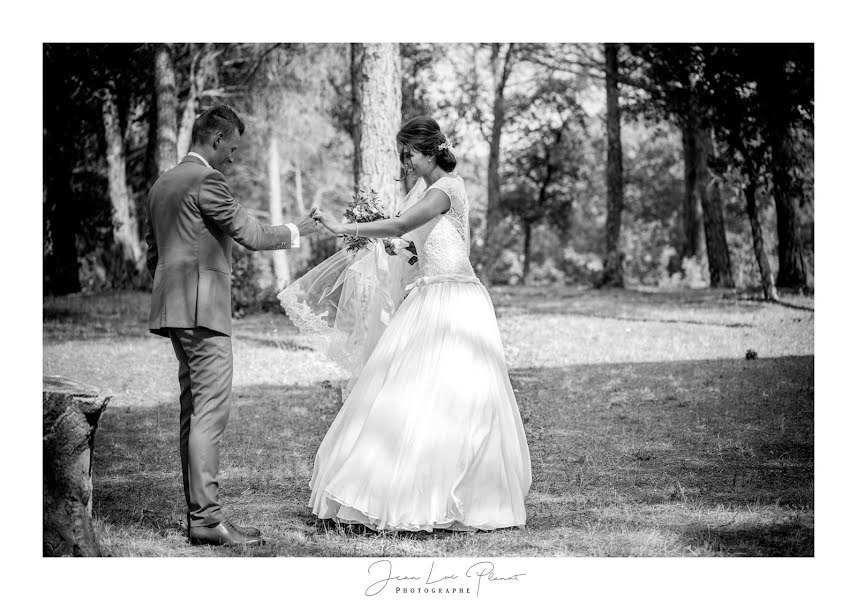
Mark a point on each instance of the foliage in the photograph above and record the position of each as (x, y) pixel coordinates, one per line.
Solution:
(510, 268)
(757, 93)
(693, 274)
(551, 159)
(288, 100)
(417, 63)
(544, 163)
(253, 283)
(653, 200)
(543, 172)
(76, 202)
(756, 98)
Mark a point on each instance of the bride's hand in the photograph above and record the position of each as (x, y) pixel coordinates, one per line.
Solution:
(330, 222)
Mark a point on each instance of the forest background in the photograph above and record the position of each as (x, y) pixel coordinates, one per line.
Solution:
(653, 165)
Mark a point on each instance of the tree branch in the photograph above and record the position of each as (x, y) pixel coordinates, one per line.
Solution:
(507, 66)
(582, 50)
(596, 71)
(259, 62)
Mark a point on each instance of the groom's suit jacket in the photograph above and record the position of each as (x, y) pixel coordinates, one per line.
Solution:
(191, 223)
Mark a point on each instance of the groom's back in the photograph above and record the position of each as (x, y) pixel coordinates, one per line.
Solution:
(173, 200)
(181, 230)
(192, 278)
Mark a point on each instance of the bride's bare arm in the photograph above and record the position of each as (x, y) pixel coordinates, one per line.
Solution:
(434, 203)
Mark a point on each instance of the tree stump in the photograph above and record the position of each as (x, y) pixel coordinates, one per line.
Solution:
(70, 413)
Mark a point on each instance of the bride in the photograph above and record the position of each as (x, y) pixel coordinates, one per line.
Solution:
(430, 436)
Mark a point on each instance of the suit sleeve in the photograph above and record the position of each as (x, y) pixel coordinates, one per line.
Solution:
(151, 248)
(217, 203)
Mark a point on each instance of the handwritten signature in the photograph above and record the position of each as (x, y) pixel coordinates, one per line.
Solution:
(481, 570)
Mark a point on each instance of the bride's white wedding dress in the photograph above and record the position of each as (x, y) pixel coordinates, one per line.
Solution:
(430, 436)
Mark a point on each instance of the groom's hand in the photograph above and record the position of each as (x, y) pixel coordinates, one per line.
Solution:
(328, 221)
(308, 225)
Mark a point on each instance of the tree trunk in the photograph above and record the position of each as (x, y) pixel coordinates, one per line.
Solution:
(151, 165)
(201, 68)
(275, 207)
(185, 130)
(129, 263)
(775, 92)
(793, 270)
(694, 234)
(299, 189)
(165, 86)
(70, 416)
(501, 67)
(300, 207)
(528, 230)
(613, 275)
(566, 231)
(357, 54)
(766, 276)
(709, 189)
(376, 71)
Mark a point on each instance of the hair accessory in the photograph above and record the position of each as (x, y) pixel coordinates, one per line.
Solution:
(445, 146)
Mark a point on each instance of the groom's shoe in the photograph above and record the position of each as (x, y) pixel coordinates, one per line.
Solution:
(222, 534)
(248, 531)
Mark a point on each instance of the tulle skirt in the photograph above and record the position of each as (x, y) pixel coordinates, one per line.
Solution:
(430, 437)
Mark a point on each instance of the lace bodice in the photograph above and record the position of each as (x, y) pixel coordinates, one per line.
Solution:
(443, 244)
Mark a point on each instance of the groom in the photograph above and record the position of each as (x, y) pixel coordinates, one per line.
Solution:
(191, 223)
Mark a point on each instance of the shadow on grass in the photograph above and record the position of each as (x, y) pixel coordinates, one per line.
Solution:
(792, 537)
(662, 306)
(272, 342)
(266, 458)
(108, 315)
(553, 310)
(710, 457)
(95, 316)
(688, 446)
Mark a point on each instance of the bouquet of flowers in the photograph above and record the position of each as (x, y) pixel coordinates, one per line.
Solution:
(365, 208)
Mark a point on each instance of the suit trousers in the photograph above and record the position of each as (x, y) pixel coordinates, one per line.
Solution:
(205, 378)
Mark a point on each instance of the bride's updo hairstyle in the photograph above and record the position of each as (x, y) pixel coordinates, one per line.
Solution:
(423, 134)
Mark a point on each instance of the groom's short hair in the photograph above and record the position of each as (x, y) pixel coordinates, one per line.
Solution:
(216, 119)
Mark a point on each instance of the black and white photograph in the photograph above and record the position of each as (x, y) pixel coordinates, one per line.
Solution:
(428, 317)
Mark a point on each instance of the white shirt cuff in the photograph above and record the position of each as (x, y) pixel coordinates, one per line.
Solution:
(296, 235)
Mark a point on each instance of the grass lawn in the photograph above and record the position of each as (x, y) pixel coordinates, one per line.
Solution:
(650, 432)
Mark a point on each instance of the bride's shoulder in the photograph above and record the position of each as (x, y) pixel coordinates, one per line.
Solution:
(451, 183)
(458, 182)
(453, 179)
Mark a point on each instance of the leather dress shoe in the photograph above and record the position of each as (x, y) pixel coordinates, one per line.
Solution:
(222, 534)
(249, 531)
